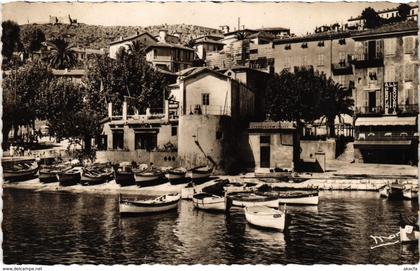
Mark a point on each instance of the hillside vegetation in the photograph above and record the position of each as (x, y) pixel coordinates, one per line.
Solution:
(96, 36)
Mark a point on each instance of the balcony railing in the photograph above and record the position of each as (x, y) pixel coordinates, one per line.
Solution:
(408, 109)
(208, 110)
(342, 68)
(368, 61)
(369, 110)
(386, 136)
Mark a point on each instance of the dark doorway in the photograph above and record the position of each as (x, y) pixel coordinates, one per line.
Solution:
(265, 156)
(372, 50)
(372, 101)
(118, 140)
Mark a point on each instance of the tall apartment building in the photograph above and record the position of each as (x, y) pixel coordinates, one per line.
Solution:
(386, 96)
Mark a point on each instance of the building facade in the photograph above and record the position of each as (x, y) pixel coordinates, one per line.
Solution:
(386, 96)
(145, 38)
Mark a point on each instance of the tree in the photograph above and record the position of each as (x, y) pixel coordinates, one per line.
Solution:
(191, 43)
(371, 18)
(32, 39)
(129, 75)
(136, 48)
(10, 38)
(21, 88)
(62, 55)
(403, 11)
(335, 100)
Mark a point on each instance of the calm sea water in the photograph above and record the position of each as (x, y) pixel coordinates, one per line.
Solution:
(53, 228)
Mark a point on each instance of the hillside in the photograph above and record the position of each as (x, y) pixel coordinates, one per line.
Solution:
(95, 36)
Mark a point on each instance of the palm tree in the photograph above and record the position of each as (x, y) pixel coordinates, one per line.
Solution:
(136, 48)
(62, 54)
(336, 100)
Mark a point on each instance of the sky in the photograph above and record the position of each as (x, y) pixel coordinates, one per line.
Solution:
(299, 17)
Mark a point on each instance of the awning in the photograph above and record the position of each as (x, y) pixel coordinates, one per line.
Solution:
(386, 121)
(379, 144)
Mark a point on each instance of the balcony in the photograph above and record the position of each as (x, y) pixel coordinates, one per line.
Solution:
(342, 68)
(208, 110)
(408, 109)
(369, 61)
(369, 111)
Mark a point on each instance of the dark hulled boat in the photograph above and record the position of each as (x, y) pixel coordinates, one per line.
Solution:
(48, 173)
(96, 174)
(177, 176)
(124, 175)
(70, 176)
(396, 191)
(149, 177)
(15, 171)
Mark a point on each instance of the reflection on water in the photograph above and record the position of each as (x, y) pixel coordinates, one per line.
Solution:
(50, 228)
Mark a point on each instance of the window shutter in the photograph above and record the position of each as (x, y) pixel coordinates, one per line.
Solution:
(408, 45)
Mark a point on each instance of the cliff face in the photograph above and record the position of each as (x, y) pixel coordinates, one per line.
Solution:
(96, 36)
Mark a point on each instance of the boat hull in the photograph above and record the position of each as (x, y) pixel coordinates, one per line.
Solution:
(410, 194)
(272, 220)
(19, 176)
(47, 177)
(145, 180)
(68, 179)
(176, 177)
(384, 192)
(255, 201)
(396, 193)
(306, 200)
(146, 207)
(209, 203)
(88, 180)
(125, 178)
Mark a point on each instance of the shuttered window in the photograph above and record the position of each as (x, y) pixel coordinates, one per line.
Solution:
(390, 73)
(390, 46)
(409, 71)
(408, 45)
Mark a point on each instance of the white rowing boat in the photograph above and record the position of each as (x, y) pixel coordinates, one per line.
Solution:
(251, 199)
(266, 217)
(160, 204)
(206, 201)
(299, 198)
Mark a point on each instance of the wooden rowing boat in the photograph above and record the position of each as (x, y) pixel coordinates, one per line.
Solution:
(159, 204)
(206, 201)
(266, 217)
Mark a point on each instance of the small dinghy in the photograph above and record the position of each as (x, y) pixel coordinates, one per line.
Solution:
(239, 187)
(15, 171)
(206, 201)
(96, 174)
(124, 175)
(384, 191)
(252, 199)
(295, 197)
(48, 173)
(410, 192)
(160, 204)
(70, 176)
(177, 176)
(149, 177)
(266, 217)
(200, 173)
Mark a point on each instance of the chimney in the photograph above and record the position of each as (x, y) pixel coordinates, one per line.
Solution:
(162, 35)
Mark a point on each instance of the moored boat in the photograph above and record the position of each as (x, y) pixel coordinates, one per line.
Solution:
(149, 177)
(124, 175)
(384, 191)
(299, 197)
(396, 191)
(252, 199)
(266, 217)
(206, 201)
(96, 174)
(159, 204)
(48, 173)
(19, 171)
(70, 176)
(200, 173)
(177, 176)
(410, 192)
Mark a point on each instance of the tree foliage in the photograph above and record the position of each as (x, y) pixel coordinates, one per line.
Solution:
(10, 38)
(305, 96)
(129, 75)
(62, 55)
(371, 17)
(403, 11)
(21, 88)
(32, 41)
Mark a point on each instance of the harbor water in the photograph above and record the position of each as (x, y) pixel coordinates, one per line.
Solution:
(64, 228)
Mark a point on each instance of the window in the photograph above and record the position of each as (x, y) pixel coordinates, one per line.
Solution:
(342, 41)
(305, 45)
(321, 43)
(409, 72)
(287, 139)
(321, 59)
(372, 76)
(155, 53)
(265, 139)
(390, 73)
(408, 45)
(118, 140)
(174, 130)
(390, 46)
(205, 99)
(288, 47)
(253, 51)
(145, 141)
